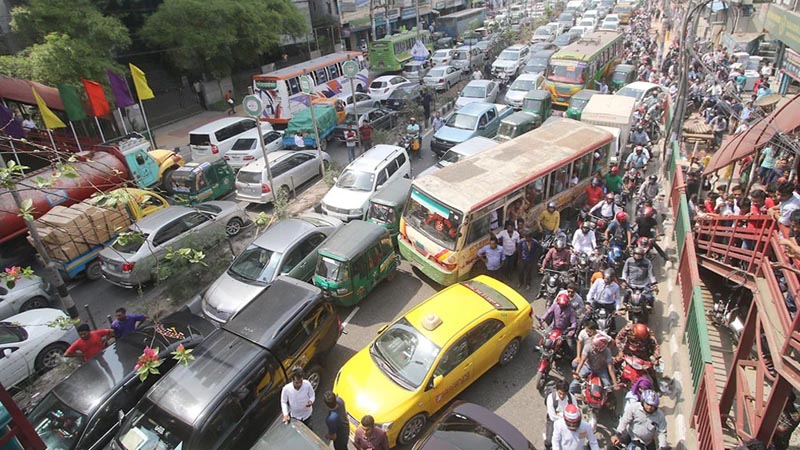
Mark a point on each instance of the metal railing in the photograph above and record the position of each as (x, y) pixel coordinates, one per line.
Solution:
(739, 241)
(705, 416)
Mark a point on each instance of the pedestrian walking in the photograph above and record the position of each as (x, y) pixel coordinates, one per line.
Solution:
(370, 437)
(297, 398)
(438, 122)
(366, 135)
(351, 140)
(125, 323)
(528, 250)
(89, 343)
(336, 421)
(231, 102)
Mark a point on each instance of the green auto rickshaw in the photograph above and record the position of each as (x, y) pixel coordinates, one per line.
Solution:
(197, 182)
(516, 125)
(386, 206)
(623, 74)
(578, 102)
(539, 103)
(353, 260)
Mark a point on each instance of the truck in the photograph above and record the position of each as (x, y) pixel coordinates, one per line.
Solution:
(474, 119)
(126, 161)
(614, 114)
(327, 119)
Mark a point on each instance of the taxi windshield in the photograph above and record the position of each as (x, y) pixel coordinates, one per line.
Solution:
(404, 354)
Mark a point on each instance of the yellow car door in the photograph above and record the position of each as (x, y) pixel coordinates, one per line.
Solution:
(486, 341)
(454, 371)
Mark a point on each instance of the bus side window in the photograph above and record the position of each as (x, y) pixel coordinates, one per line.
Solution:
(535, 192)
(294, 86)
(334, 70)
(479, 229)
(558, 180)
(322, 76)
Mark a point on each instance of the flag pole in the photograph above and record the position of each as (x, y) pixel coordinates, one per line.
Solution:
(77, 141)
(147, 125)
(99, 128)
(122, 120)
(53, 143)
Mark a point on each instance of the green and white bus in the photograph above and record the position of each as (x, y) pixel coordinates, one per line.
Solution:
(391, 53)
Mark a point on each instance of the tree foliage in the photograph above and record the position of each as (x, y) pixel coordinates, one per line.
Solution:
(67, 40)
(214, 36)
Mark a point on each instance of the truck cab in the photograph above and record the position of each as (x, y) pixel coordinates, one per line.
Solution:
(147, 167)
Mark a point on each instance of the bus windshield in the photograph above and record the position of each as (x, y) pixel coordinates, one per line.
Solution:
(567, 72)
(436, 221)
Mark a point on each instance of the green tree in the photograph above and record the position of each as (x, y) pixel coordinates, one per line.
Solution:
(67, 40)
(214, 36)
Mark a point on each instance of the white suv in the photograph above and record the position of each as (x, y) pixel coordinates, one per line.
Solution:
(358, 182)
(511, 60)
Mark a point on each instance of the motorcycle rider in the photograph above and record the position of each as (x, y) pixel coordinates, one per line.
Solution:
(595, 359)
(637, 340)
(556, 402)
(584, 338)
(605, 294)
(614, 181)
(637, 160)
(638, 273)
(412, 131)
(639, 136)
(620, 229)
(572, 433)
(643, 421)
(646, 225)
(594, 193)
(550, 219)
(575, 300)
(649, 189)
(605, 209)
(562, 317)
(584, 241)
(558, 257)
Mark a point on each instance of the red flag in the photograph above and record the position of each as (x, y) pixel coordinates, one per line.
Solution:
(97, 98)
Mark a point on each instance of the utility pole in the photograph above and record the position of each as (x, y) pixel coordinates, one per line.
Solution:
(51, 273)
(417, 8)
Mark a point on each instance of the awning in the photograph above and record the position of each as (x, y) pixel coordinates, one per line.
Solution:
(784, 119)
(18, 90)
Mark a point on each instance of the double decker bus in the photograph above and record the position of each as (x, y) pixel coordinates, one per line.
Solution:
(280, 90)
(391, 53)
(578, 65)
(451, 212)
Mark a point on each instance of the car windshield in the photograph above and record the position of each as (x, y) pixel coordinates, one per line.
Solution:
(542, 32)
(523, 85)
(356, 180)
(404, 354)
(437, 73)
(131, 243)
(441, 54)
(332, 270)
(507, 130)
(450, 157)
(149, 427)
(474, 92)
(380, 213)
(57, 424)
(249, 177)
(460, 55)
(566, 72)
(508, 55)
(564, 39)
(350, 118)
(244, 144)
(462, 121)
(411, 68)
(377, 85)
(619, 76)
(630, 92)
(565, 17)
(433, 219)
(255, 264)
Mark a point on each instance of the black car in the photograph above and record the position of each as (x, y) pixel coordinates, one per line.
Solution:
(82, 412)
(542, 46)
(467, 426)
(379, 118)
(403, 96)
(223, 398)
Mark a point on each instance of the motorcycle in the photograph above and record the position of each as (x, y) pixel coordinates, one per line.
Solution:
(635, 444)
(598, 224)
(725, 310)
(502, 79)
(646, 244)
(551, 348)
(554, 282)
(615, 257)
(638, 301)
(407, 142)
(605, 321)
(633, 368)
(595, 398)
(583, 273)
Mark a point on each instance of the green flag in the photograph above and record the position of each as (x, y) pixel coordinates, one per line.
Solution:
(72, 102)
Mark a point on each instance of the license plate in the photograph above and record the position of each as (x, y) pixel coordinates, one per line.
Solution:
(235, 157)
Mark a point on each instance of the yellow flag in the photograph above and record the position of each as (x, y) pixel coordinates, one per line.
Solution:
(143, 91)
(51, 120)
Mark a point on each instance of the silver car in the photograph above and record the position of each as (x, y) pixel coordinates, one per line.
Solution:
(289, 169)
(362, 101)
(287, 248)
(27, 293)
(443, 77)
(246, 149)
(135, 260)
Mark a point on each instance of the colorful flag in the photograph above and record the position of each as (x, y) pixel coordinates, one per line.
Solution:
(9, 124)
(97, 98)
(51, 120)
(119, 87)
(72, 102)
(143, 91)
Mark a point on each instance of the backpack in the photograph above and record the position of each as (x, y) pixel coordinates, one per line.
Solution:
(552, 393)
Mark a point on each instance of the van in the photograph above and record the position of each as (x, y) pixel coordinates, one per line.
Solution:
(416, 70)
(349, 198)
(217, 137)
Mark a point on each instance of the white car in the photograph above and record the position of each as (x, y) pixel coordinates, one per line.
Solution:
(443, 56)
(520, 87)
(611, 19)
(289, 168)
(511, 60)
(580, 31)
(591, 14)
(362, 101)
(443, 77)
(588, 24)
(246, 149)
(27, 293)
(613, 26)
(641, 90)
(478, 91)
(543, 34)
(382, 87)
(29, 345)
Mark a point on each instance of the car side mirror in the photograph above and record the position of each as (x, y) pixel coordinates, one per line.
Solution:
(7, 352)
(120, 416)
(382, 329)
(335, 179)
(437, 380)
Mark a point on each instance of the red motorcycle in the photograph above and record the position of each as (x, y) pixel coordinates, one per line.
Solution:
(633, 368)
(595, 398)
(551, 348)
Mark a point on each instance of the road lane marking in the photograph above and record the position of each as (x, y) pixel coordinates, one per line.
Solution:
(681, 426)
(350, 316)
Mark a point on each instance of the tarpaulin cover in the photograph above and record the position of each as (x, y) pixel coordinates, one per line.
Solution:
(325, 115)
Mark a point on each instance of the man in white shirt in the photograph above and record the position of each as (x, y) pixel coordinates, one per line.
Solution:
(556, 401)
(297, 398)
(298, 140)
(571, 432)
(509, 239)
(583, 241)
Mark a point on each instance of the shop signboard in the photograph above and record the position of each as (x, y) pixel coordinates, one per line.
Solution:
(791, 64)
(783, 25)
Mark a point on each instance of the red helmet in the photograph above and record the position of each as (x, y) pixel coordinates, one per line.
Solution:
(622, 217)
(640, 331)
(600, 341)
(648, 211)
(562, 299)
(572, 417)
(614, 170)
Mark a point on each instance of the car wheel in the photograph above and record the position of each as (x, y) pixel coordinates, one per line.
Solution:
(509, 353)
(447, 86)
(326, 165)
(285, 192)
(412, 429)
(34, 303)
(233, 227)
(314, 376)
(93, 271)
(50, 356)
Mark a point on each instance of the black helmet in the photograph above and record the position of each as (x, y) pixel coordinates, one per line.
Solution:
(653, 178)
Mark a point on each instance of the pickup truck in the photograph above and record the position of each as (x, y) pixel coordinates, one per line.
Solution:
(474, 119)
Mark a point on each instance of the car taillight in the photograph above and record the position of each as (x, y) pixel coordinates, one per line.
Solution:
(127, 267)
(265, 188)
(214, 149)
(226, 158)
(441, 81)
(249, 158)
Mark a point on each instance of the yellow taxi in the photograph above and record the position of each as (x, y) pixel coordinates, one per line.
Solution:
(421, 361)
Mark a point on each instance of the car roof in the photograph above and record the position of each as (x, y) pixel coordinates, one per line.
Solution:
(443, 66)
(473, 146)
(541, 53)
(585, 93)
(488, 420)
(271, 312)
(479, 83)
(516, 47)
(475, 108)
(281, 236)
(374, 157)
(152, 222)
(519, 117)
(385, 78)
(395, 192)
(352, 239)
(217, 124)
(529, 76)
(273, 157)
